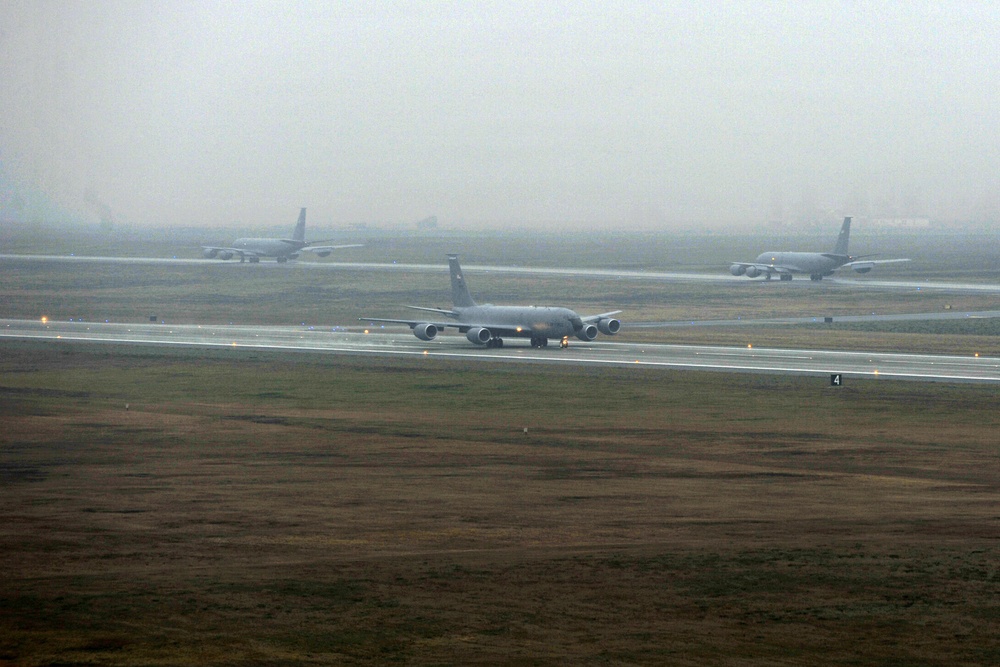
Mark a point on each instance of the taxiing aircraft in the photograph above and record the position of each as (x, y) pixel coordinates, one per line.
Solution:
(816, 264)
(487, 324)
(281, 249)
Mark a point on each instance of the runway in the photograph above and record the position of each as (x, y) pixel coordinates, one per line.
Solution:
(777, 321)
(400, 342)
(582, 272)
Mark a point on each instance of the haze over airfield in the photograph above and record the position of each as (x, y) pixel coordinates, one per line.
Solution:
(591, 115)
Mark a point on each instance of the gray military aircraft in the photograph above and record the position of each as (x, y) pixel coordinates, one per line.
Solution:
(281, 249)
(816, 264)
(487, 324)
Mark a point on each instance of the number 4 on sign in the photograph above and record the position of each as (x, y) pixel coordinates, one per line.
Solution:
(836, 380)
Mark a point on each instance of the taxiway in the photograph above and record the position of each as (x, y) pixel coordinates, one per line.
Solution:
(583, 272)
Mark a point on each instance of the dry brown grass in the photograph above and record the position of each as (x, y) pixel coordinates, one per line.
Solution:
(285, 510)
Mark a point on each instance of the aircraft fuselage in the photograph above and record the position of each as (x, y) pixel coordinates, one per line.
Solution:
(522, 321)
(813, 263)
(268, 247)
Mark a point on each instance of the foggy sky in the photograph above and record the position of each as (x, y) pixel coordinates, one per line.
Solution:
(600, 114)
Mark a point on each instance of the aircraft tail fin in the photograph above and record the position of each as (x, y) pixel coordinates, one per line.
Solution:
(460, 295)
(300, 227)
(845, 234)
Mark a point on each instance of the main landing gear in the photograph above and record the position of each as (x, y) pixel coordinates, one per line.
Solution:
(536, 341)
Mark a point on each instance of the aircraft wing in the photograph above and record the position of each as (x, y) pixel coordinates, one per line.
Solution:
(327, 248)
(411, 323)
(236, 251)
(501, 329)
(866, 265)
(876, 261)
(767, 268)
(440, 311)
(596, 318)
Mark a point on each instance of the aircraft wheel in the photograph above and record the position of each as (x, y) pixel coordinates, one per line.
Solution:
(786, 277)
(255, 260)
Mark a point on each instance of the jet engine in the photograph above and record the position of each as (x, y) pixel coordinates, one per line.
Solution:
(210, 253)
(753, 272)
(609, 327)
(587, 332)
(737, 269)
(479, 335)
(324, 253)
(225, 255)
(426, 331)
(294, 255)
(863, 267)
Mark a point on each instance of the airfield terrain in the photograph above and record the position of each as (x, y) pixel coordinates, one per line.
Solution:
(217, 506)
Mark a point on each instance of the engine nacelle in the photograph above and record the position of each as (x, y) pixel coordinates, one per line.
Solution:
(426, 331)
(737, 269)
(294, 255)
(863, 267)
(753, 272)
(225, 255)
(210, 253)
(609, 327)
(324, 253)
(587, 332)
(479, 335)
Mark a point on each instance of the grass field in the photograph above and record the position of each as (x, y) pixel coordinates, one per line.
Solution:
(232, 507)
